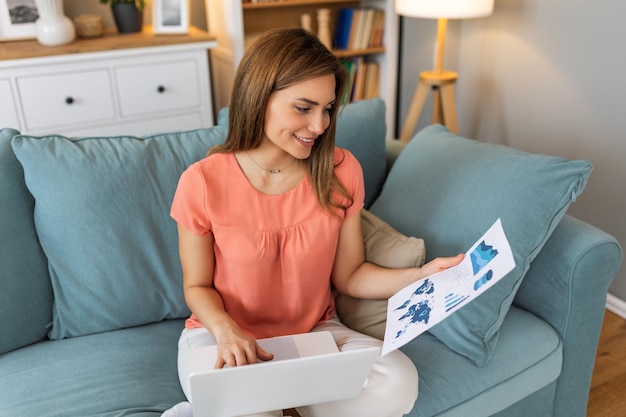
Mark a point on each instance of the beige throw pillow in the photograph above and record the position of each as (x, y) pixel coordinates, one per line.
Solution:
(388, 248)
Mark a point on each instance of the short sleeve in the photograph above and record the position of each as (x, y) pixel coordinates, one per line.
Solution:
(350, 173)
(189, 204)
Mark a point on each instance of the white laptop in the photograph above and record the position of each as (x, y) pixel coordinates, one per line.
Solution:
(306, 369)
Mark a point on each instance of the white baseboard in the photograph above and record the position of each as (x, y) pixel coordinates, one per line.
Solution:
(616, 305)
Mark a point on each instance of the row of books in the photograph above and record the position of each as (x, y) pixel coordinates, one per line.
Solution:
(364, 79)
(359, 28)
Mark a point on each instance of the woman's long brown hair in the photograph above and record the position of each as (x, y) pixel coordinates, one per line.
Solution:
(278, 59)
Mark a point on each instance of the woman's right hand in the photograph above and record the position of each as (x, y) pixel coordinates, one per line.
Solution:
(236, 348)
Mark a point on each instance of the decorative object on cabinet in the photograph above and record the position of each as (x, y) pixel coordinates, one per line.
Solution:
(128, 14)
(53, 27)
(89, 26)
(17, 19)
(117, 84)
(236, 24)
(170, 16)
(440, 81)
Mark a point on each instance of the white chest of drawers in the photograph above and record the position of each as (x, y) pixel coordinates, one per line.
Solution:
(119, 84)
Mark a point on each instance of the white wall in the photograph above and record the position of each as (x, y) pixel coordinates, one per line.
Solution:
(544, 76)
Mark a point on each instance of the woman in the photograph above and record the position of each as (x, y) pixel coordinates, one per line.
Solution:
(269, 220)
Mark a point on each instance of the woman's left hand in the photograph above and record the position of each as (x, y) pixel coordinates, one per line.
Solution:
(440, 264)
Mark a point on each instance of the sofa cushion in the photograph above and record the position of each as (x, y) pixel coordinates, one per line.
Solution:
(26, 293)
(361, 129)
(386, 247)
(102, 216)
(119, 373)
(448, 190)
(529, 357)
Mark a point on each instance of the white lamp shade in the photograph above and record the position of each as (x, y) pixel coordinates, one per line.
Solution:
(451, 9)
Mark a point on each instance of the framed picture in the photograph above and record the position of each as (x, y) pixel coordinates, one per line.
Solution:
(17, 19)
(170, 16)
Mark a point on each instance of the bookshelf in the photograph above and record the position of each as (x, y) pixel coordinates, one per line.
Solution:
(236, 24)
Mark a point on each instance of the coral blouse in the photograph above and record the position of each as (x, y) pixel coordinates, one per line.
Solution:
(273, 253)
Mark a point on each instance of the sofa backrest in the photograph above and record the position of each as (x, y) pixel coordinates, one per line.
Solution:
(100, 237)
(25, 290)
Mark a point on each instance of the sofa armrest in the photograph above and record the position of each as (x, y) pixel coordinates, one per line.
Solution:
(567, 285)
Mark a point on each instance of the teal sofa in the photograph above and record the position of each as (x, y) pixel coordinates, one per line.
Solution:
(91, 304)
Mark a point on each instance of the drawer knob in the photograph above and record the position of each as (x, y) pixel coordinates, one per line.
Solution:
(161, 89)
(69, 100)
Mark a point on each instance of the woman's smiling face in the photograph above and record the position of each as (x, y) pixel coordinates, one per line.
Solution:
(297, 115)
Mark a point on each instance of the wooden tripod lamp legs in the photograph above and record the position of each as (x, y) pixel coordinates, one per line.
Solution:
(415, 110)
(442, 84)
(444, 107)
(444, 111)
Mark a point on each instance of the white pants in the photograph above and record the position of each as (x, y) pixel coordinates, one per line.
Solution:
(390, 391)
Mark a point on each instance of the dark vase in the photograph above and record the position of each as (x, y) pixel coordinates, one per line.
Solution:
(128, 18)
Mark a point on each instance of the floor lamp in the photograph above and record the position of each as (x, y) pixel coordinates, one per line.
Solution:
(439, 81)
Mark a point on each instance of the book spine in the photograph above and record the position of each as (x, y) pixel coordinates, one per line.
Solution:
(367, 27)
(378, 29)
(357, 18)
(344, 24)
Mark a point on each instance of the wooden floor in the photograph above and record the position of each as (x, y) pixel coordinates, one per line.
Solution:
(608, 385)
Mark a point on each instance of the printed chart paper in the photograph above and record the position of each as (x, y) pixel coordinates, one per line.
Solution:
(419, 306)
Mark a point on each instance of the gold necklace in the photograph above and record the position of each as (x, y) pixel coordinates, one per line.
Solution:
(271, 171)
